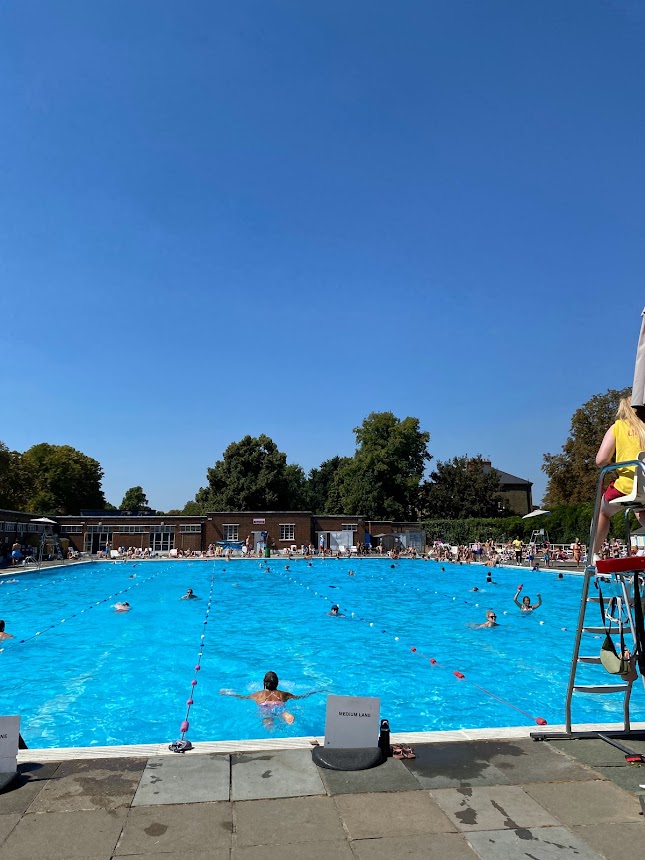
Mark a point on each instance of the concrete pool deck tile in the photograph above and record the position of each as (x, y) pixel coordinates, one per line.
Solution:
(537, 843)
(597, 802)
(260, 776)
(182, 779)
(499, 807)
(7, 824)
(86, 785)
(339, 850)
(405, 813)
(31, 781)
(65, 836)
(597, 753)
(452, 766)
(181, 829)
(286, 820)
(215, 854)
(434, 846)
(612, 841)
(392, 775)
(524, 761)
(628, 777)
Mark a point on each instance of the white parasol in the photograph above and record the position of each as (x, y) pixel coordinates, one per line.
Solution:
(536, 513)
(638, 387)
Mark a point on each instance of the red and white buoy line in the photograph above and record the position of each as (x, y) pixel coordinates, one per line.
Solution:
(88, 608)
(459, 675)
(182, 745)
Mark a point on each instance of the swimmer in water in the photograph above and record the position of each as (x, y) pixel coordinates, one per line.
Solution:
(122, 607)
(271, 700)
(4, 635)
(189, 595)
(335, 612)
(526, 605)
(491, 620)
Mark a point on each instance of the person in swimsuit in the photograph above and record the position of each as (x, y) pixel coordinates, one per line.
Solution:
(491, 620)
(122, 607)
(4, 635)
(271, 700)
(335, 612)
(526, 605)
(189, 595)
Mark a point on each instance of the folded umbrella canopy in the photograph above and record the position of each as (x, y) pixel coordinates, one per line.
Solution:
(638, 388)
(536, 513)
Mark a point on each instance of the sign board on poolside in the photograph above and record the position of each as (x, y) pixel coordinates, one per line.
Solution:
(259, 521)
(352, 721)
(9, 732)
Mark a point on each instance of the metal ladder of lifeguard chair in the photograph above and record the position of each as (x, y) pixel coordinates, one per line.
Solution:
(621, 572)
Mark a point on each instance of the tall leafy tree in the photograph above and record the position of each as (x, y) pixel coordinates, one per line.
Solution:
(382, 480)
(462, 488)
(15, 480)
(252, 475)
(134, 500)
(63, 480)
(322, 492)
(572, 474)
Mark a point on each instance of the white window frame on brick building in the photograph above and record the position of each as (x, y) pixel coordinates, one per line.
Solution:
(287, 531)
(231, 531)
(349, 527)
(190, 528)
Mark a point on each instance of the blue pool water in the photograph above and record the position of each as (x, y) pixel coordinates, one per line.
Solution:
(102, 677)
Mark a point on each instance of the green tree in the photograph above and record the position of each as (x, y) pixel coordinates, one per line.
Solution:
(253, 475)
(134, 500)
(15, 480)
(63, 480)
(572, 475)
(462, 488)
(382, 480)
(321, 498)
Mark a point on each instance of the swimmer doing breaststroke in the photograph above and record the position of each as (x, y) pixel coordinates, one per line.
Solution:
(271, 700)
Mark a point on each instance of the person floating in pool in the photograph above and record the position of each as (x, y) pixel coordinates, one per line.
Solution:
(190, 595)
(491, 620)
(271, 700)
(335, 612)
(526, 605)
(122, 607)
(4, 635)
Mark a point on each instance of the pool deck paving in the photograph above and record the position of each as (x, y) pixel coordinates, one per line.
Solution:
(491, 798)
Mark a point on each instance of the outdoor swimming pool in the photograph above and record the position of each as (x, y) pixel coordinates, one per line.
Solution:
(102, 677)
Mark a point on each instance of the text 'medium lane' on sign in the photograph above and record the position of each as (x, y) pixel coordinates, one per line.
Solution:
(352, 722)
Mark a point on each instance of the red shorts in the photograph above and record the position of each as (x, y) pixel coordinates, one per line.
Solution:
(612, 493)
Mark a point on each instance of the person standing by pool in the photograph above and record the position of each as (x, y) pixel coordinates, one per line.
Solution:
(4, 635)
(626, 439)
(271, 699)
(16, 554)
(577, 552)
(517, 546)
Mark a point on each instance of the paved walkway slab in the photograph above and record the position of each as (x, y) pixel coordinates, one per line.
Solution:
(87, 785)
(613, 841)
(453, 765)
(31, 781)
(435, 846)
(524, 761)
(593, 751)
(286, 820)
(289, 773)
(296, 851)
(538, 843)
(184, 779)
(500, 807)
(403, 814)
(586, 802)
(392, 775)
(65, 836)
(183, 829)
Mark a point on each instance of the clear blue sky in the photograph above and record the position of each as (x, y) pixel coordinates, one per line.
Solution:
(276, 217)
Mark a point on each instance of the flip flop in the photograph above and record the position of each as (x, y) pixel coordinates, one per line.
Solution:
(397, 752)
(408, 752)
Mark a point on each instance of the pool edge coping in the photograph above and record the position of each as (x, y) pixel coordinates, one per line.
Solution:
(44, 754)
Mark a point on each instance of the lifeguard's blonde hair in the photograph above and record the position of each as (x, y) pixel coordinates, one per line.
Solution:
(627, 413)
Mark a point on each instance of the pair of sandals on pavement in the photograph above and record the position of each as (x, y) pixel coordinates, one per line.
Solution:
(399, 751)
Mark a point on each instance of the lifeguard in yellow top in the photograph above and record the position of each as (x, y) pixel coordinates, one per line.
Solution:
(626, 439)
